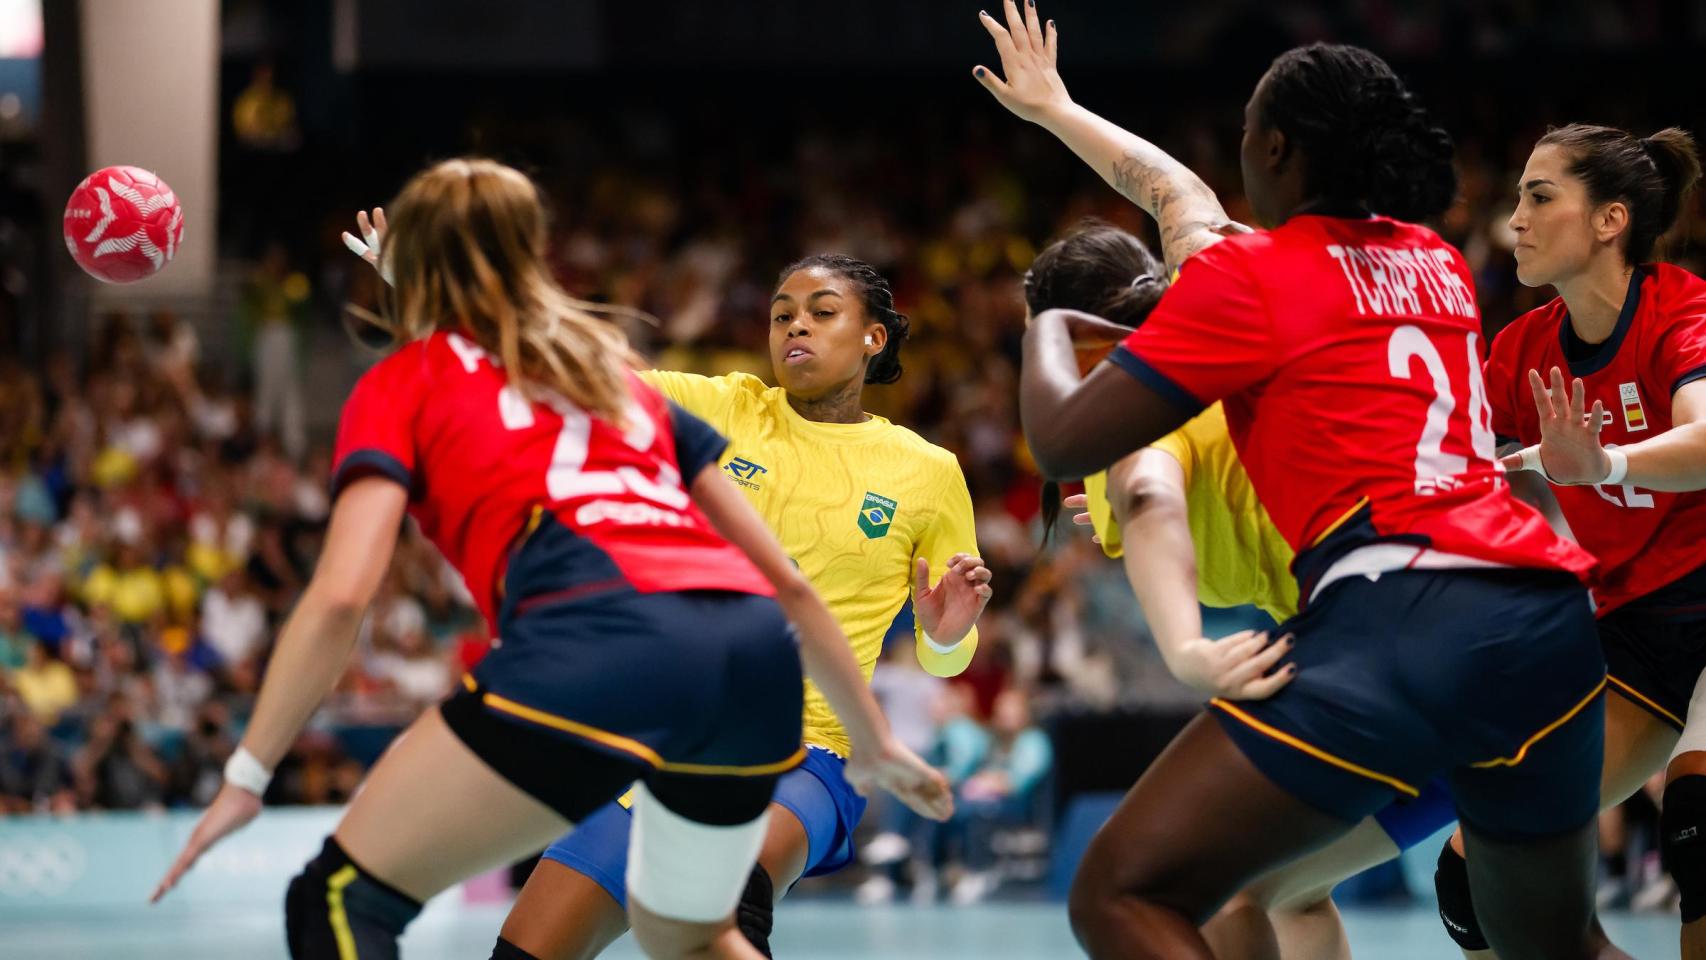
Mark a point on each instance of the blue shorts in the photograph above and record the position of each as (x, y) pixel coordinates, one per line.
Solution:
(816, 792)
(1492, 678)
(1410, 821)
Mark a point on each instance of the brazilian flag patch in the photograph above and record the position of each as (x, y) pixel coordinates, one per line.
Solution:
(875, 515)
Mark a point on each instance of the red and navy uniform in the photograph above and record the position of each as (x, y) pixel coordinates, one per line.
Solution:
(1445, 628)
(1652, 585)
(623, 619)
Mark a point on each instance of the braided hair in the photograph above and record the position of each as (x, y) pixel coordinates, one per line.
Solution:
(1367, 140)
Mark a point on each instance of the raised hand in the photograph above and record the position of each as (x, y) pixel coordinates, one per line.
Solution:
(1569, 451)
(1027, 48)
(372, 237)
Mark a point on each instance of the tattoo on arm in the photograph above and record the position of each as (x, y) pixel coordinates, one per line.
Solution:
(1185, 209)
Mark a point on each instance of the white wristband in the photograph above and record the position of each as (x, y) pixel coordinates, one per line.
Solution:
(1531, 461)
(938, 647)
(243, 770)
(1619, 465)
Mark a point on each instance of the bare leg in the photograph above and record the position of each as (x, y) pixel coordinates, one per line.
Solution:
(1198, 826)
(785, 850)
(432, 814)
(562, 914)
(1292, 907)
(667, 938)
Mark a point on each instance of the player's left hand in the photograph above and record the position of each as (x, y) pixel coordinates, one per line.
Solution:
(892, 767)
(230, 811)
(1082, 518)
(1569, 451)
(948, 610)
(372, 237)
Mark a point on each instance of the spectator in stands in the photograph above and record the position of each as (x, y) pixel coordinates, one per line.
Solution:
(34, 773)
(1009, 759)
(116, 769)
(46, 685)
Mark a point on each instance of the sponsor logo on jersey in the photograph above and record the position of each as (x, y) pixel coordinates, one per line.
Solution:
(875, 515)
(1634, 416)
(744, 472)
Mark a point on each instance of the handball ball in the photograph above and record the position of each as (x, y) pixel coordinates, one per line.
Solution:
(123, 224)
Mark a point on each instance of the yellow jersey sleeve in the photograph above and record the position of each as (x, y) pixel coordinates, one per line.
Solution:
(1241, 557)
(708, 398)
(952, 530)
(1176, 445)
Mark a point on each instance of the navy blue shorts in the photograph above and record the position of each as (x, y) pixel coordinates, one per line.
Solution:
(1655, 647)
(1492, 678)
(817, 793)
(689, 690)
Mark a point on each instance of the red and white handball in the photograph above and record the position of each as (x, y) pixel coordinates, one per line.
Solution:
(123, 224)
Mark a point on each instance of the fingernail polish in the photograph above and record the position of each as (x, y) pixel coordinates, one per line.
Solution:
(980, 71)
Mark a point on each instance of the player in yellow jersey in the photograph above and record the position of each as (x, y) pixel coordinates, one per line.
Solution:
(868, 510)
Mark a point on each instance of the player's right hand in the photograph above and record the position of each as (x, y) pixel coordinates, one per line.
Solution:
(1235, 667)
(901, 772)
(1028, 50)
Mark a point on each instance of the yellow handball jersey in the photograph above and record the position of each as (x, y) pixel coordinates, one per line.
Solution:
(1241, 557)
(854, 505)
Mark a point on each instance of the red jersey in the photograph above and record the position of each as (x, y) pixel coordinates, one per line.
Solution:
(1644, 539)
(1348, 354)
(440, 417)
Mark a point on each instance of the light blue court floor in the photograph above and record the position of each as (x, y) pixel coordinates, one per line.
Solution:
(817, 930)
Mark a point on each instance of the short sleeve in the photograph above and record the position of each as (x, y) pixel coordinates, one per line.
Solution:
(1500, 377)
(1210, 336)
(697, 443)
(704, 397)
(1681, 355)
(376, 433)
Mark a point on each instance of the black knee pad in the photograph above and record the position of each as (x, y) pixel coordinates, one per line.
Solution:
(756, 912)
(334, 902)
(1456, 909)
(504, 950)
(1682, 841)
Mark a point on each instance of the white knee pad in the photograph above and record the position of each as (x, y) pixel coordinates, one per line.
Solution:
(1694, 727)
(684, 870)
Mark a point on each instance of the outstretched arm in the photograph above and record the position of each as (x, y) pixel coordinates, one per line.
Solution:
(312, 650)
(1569, 451)
(1186, 210)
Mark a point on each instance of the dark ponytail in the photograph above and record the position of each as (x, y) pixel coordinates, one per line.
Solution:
(1097, 268)
(878, 299)
(1651, 175)
(1366, 140)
